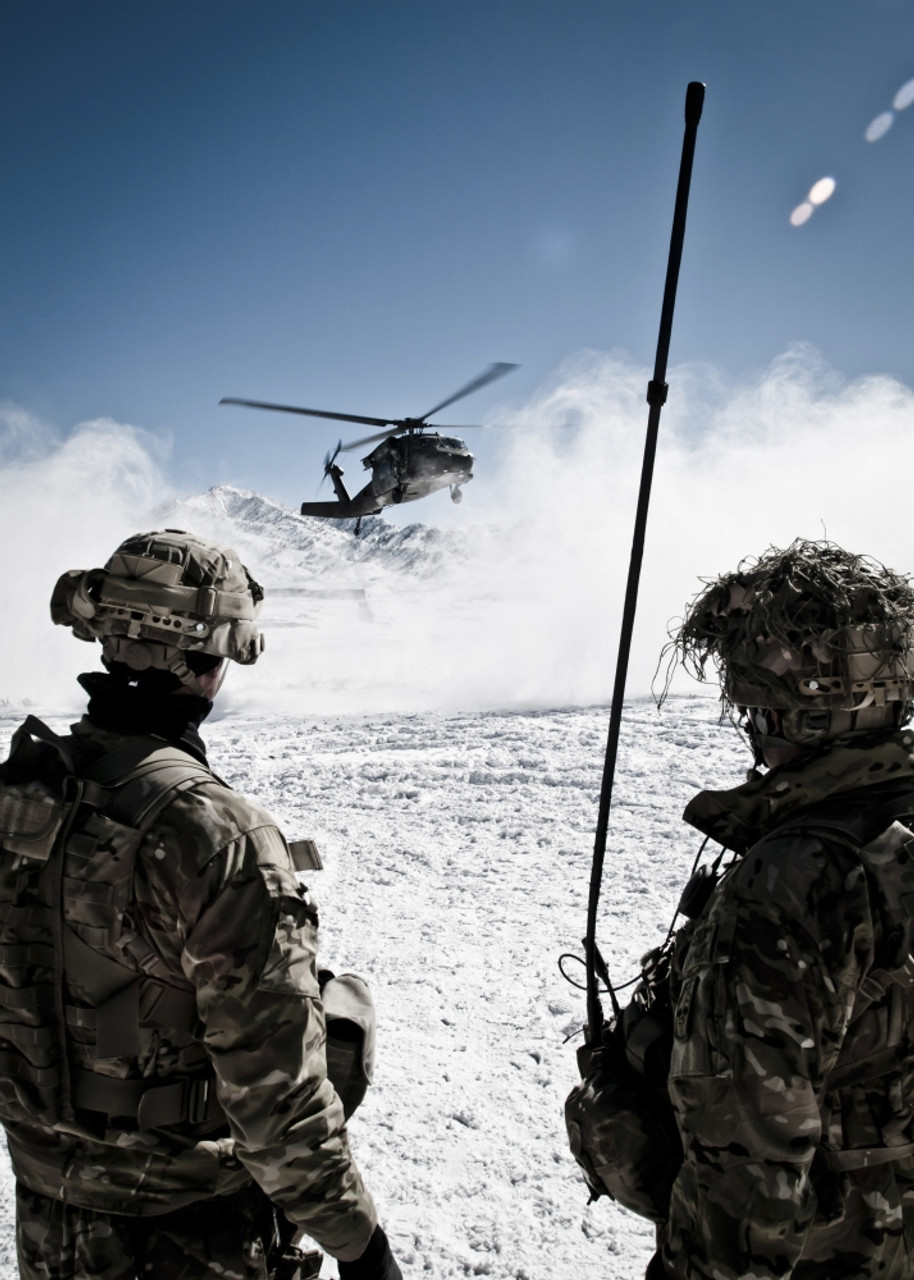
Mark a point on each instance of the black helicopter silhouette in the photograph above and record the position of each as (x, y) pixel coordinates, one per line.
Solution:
(409, 464)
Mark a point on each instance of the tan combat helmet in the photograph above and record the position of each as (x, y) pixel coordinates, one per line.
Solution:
(824, 637)
(163, 600)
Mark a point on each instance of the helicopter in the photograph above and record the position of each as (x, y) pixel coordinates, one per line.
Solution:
(410, 462)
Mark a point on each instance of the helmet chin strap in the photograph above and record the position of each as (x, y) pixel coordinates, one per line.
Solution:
(780, 735)
(208, 683)
(140, 655)
(764, 729)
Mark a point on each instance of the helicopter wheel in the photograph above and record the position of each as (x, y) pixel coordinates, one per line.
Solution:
(396, 494)
(456, 495)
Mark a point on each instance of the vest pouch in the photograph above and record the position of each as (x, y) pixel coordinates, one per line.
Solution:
(31, 815)
(351, 1023)
(37, 787)
(648, 1038)
(623, 1134)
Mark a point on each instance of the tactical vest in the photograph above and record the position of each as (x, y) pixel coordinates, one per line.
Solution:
(83, 997)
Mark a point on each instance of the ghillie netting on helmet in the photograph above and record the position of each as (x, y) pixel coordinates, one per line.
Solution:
(808, 627)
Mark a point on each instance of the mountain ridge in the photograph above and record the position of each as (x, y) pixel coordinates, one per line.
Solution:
(305, 549)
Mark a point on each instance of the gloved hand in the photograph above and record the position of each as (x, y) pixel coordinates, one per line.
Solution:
(656, 1269)
(376, 1263)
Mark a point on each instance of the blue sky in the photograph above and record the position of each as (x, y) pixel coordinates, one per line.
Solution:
(358, 204)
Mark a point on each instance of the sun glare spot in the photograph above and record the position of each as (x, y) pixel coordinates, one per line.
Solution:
(879, 127)
(802, 213)
(821, 191)
(904, 97)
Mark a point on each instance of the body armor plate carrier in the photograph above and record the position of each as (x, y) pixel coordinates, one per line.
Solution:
(82, 994)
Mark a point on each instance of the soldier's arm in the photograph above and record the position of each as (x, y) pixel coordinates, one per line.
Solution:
(759, 1019)
(246, 938)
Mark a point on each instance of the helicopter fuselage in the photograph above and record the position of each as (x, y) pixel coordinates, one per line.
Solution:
(406, 467)
(403, 468)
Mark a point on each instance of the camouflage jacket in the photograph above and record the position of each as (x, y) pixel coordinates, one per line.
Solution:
(778, 990)
(217, 906)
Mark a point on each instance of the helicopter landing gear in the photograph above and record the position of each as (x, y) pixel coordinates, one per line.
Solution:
(456, 495)
(396, 495)
(358, 526)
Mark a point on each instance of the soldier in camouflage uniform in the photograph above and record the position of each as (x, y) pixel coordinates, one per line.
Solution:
(163, 1081)
(790, 989)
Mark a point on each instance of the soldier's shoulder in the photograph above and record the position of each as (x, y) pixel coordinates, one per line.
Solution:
(211, 800)
(211, 826)
(800, 873)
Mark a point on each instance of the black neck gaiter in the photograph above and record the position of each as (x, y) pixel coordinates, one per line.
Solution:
(151, 705)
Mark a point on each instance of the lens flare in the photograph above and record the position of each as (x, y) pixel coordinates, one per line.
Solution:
(802, 213)
(879, 127)
(821, 191)
(904, 97)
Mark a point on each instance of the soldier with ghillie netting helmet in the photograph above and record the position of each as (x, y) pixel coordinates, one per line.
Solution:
(783, 1009)
(175, 1073)
(810, 644)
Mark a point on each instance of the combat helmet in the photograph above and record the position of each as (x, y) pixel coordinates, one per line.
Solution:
(820, 636)
(165, 600)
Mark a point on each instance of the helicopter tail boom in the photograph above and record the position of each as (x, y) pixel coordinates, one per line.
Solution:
(336, 510)
(344, 508)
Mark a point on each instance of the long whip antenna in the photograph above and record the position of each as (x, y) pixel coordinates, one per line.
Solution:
(656, 398)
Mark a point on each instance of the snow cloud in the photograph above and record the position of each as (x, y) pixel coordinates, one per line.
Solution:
(795, 451)
(64, 504)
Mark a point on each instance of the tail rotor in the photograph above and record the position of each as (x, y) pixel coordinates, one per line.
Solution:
(329, 460)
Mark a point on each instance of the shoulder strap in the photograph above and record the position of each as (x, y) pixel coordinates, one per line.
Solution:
(123, 763)
(141, 759)
(137, 781)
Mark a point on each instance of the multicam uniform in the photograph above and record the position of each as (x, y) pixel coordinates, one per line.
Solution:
(211, 917)
(793, 1056)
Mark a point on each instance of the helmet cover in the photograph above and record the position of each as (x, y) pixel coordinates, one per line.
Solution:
(809, 627)
(161, 597)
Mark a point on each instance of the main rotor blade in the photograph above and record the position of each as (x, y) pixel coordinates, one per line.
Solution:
(314, 413)
(382, 435)
(467, 426)
(496, 426)
(489, 375)
(438, 428)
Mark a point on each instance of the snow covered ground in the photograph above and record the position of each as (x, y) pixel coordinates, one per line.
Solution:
(457, 847)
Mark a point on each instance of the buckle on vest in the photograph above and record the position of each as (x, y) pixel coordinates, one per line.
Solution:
(173, 1102)
(197, 1099)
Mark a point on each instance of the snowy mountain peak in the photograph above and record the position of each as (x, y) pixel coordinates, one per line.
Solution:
(277, 542)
